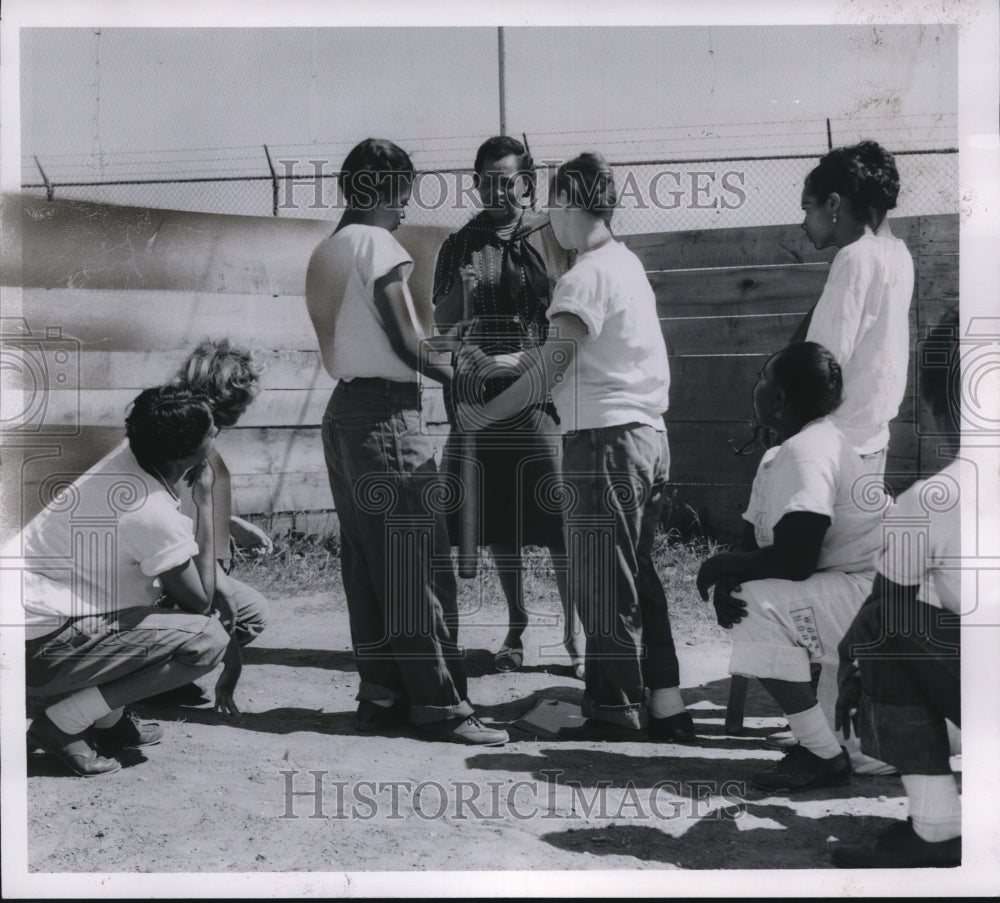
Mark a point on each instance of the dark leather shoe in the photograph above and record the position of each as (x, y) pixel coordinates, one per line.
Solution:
(605, 731)
(372, 717)
(73, 750)
(899, 848)
(800, 769)
(677, 728)
(128, 732)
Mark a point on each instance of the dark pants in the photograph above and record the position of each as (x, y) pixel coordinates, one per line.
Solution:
(615, 480)
(93, 651)
(396, 558)
(912, 683)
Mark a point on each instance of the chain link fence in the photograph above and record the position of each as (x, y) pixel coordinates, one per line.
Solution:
(705, 127)
(655, 196)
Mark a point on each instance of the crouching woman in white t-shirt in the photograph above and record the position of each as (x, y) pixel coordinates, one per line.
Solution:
(605, 362)
(813, 530)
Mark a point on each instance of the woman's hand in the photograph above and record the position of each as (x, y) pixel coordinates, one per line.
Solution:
(712, 570)
(728, 609)
(201, 479)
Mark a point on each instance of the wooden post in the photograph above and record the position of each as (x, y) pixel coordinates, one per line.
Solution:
(468, 518)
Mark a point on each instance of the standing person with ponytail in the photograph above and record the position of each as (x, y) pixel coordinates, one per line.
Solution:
(605, 362)
(862, 317)
(372, 339)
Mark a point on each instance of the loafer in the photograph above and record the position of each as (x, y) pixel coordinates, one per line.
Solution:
(899, 848)
(604, 731)
(371, 717)
(800, 769)
(73, 750)
(677, 728)
(507, 659)
(127, 733)
(469, 731)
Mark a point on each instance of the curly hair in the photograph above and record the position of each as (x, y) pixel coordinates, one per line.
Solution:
(863, 174)
(227, 375)
(811, 379)
(588, 183)
(167, 424)
(376, 170)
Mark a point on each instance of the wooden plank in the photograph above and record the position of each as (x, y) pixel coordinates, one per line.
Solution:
(937, 278)
(102, 246)
(700, 453)
(716, 387)
(712, 510)
(127, 321)
(757, 246)
(737, 291)
(760, 334)
(938, 234)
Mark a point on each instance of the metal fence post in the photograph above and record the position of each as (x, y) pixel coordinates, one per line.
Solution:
(274, 182)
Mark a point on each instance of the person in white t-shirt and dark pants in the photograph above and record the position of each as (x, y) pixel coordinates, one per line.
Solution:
(605, 362)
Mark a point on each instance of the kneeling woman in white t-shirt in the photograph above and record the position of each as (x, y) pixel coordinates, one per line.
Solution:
(813, 530)
(605, 362)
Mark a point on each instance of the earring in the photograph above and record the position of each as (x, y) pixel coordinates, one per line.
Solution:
(835, 218)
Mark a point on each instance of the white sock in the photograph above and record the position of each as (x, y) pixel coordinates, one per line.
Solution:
(76, 713)
(110, 720)
(935, 806)
(813, 731)
(666, 702)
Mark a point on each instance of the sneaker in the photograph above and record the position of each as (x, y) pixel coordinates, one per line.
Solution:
(677, 728)
(128, 732)
(73, 750)
(604, 731)
(372, 717)
(899, 848)
(468, 730)
(800, 769)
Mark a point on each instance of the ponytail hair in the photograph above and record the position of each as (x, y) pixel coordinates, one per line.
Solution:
(811, 379)
(863, 174)
(375, 171)
(588, 183)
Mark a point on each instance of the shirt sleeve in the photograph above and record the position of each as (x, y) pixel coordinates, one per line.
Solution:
(900, 560)
(444, 270)
(380, 255)
(755, 506)
(580, 293)
(806, 482)
(157, 536)
(837, 319)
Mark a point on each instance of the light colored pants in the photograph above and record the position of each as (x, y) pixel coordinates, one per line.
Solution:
(790, 623)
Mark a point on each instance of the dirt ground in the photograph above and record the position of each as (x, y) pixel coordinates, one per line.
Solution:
(291, 786)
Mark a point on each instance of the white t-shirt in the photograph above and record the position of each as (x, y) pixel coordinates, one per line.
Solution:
(862, 317)
(98, 546)
(816, 470)
(358, 256)
(923, 539)
(620, 373)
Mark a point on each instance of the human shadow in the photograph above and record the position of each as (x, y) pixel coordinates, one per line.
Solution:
(328, 659)
(717, 841)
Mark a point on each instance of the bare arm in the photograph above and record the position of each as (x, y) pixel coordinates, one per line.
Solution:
(395, 306)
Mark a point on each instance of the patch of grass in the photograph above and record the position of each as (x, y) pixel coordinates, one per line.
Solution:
(303, 563)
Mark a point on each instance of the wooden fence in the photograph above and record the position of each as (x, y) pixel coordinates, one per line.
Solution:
(127, 292)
